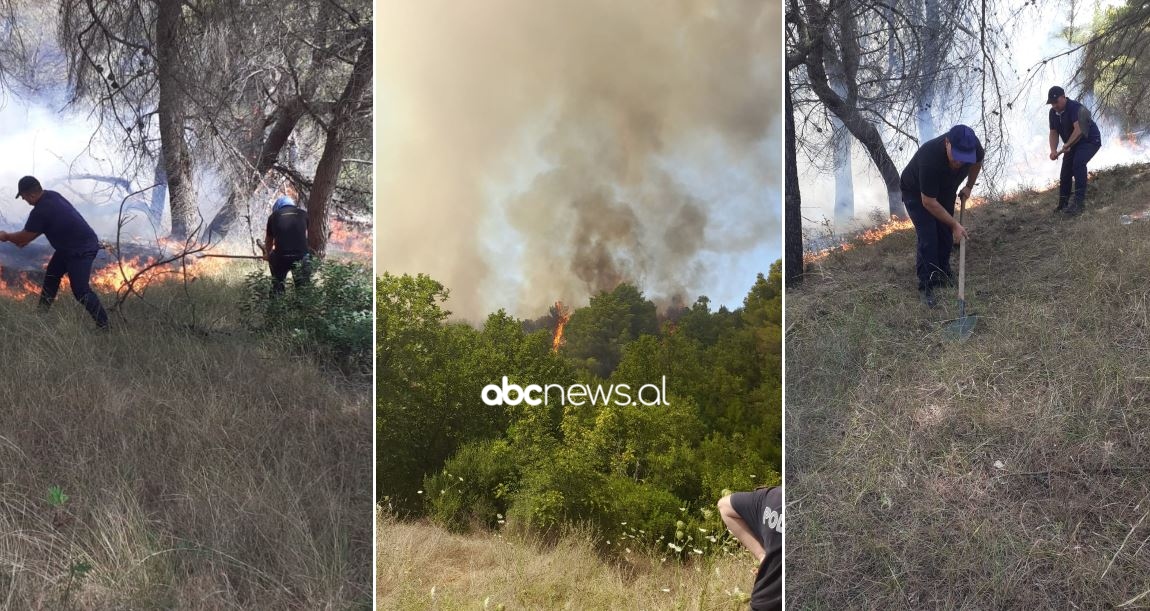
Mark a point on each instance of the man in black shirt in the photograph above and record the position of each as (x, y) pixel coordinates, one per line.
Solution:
(72, 238)
(929, 189)
(756, 520)
(285, 244)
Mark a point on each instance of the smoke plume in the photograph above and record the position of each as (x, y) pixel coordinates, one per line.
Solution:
(532, 151)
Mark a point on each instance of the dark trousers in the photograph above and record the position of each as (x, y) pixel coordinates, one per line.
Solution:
(281, 264)
(932, 255)
(1074, 168)
(78, 268)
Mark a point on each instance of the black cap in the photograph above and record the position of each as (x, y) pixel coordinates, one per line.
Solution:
(1055, 93)
(28, 183)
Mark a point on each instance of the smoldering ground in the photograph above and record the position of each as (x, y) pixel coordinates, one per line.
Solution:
(534, 151)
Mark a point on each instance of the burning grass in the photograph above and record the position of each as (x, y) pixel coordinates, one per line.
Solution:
(157, 466)
(1008, 471)
(867, 235)
(420, 566)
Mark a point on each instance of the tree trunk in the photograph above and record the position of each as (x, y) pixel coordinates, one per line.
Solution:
(793, 215)
(159, 192)
(171, 112)
(286, 119)
(844, 180)
(930, 71)
(330, 164)
(841, 144)
(862, 129)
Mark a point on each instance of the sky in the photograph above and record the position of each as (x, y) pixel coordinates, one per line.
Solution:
(529, 152)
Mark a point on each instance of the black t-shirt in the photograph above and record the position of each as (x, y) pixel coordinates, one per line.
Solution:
(66, 230)
(288, 227)
(929, 173)
(762, 510)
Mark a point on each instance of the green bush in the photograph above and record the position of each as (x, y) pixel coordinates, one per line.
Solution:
(330, 319)
(473, 488)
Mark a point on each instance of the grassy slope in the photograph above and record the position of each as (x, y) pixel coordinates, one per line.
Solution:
(893, 432)
(202, 472)
(420, 566)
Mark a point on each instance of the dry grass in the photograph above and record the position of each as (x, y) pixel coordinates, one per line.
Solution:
(1007, 471)
(420, 566)
(202, 471)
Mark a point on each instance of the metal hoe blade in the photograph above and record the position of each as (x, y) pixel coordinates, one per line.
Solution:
(961, 327)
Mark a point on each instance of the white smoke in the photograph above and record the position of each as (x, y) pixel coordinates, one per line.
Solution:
(1026, 163)
(532, 151)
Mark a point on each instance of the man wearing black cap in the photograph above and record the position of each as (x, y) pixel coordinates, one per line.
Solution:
(72, 238)
(929, 189)
(1081, 139)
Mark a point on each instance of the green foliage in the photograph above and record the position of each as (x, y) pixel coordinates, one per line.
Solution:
(597, 333)
(638, 474)
(472, 489)
(1115, 64)
(329, 319)
(56, 497)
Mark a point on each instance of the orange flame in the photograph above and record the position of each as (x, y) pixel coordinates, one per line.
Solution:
(110, 277)
(345, 237)
(873, 235)
(564, 315)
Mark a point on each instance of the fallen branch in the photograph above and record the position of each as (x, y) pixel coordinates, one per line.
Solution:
(232, 256)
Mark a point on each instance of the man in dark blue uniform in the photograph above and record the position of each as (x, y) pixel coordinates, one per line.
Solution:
(756, 520)
(1081, 139)
(929, 189)
(286, 244)
(72, 238)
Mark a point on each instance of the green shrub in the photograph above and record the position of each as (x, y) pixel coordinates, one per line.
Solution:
(331, 318)
(474, 486)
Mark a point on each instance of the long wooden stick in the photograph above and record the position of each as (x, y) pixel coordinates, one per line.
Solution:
(962, 277)
(234, 256)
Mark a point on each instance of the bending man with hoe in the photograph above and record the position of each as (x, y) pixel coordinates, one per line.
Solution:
(285, 245)
(929, 189)
(756, 520)
(72, 238)
(1081, 139)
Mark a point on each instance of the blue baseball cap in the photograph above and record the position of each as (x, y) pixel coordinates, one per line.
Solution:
(963, 144)
(283, 202)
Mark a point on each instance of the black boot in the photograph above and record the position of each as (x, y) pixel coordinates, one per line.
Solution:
(926, 297)
(1073, 209)
(1062, 205)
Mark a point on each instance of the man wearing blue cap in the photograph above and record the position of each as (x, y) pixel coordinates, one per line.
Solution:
(929, 189)
(1081, 139)
(285, 245)
(72, 238)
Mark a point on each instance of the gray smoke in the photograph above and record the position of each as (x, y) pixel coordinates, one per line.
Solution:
(572, 127)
